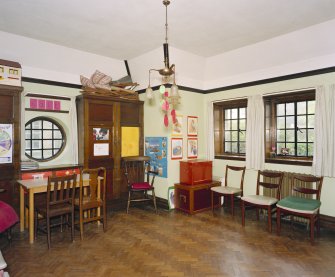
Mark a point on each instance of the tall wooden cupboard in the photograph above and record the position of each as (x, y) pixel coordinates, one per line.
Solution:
(10, 118)
(100, 123)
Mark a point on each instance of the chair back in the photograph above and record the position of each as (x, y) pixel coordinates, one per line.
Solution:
(304, 185)
(274, 180)
(236, 169)
(96, 176)
(61, 190)
(137, 169)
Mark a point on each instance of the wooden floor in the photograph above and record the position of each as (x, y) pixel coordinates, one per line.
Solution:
(175, 244)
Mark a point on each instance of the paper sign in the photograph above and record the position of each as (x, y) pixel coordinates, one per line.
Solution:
(101, 149)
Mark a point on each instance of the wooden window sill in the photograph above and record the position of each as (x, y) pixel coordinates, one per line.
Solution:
(289, 161)
(230, 157)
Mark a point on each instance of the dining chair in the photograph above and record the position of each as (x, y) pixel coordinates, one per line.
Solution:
(91, 203)
(301, 203)
(138, 173)
(270, 180)
(229, 192)
(59, 203)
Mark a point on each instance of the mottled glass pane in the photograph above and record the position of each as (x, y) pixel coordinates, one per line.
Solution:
(301, 121)
(37, 154)
(47, 134)
(301, 149)
(57, 143)
(36, 144)
(27, 145)
(289, 122)
(290, 135)
(242, 136)
(234, 135)
(311, 107)
(227, 147)
(227, 135)
(280, 109)
(28, 134)
(242, 147)
(37, 124)
(28, 126)
(234, 148)
(37, 134)
(47, 154)
(290, 146)
(301, 107)
(57, 135)
(234, 125)
(289, 108)
(227, 113)
(47, 144)
(281, 135)
(242, 124)
(310, 148)
(311, 135)
(227, 124)
(301, 135)
(280, 122)
(234, 113)
(242, 113)
(311, 121)
(47, 125)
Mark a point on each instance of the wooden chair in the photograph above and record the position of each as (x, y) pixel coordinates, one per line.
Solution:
(300, 206)
(91, 203)
(59, 203)
(263, 202)
(135, 170)
(229, 192)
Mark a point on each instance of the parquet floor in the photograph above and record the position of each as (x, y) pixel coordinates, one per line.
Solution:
(174, 244)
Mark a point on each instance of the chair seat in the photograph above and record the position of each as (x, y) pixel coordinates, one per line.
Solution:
(88, 203)
(56, 210)
(260, 200)
(226, 190)
(141, 186)
(300, 205)
(8, 216)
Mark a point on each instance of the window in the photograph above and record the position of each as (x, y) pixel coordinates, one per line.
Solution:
(45, 139)
(230, 123)
(290, 125)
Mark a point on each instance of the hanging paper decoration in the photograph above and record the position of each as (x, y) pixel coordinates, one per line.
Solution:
(166, 103)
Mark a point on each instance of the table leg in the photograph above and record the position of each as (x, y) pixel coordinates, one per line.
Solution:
(31, 216)
(21, 209)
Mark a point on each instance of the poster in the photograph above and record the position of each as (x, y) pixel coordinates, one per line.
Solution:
(101, 149)
(6, 143)
(156, 149)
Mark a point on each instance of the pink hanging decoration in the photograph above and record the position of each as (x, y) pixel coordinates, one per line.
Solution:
(166, 120)
(165, 106)
(166, 94)
(173, 115)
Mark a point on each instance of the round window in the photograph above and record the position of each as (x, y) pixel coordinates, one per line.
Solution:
(45, 139)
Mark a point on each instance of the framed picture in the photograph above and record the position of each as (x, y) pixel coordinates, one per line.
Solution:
(176, 148)
(192, 148)
(100, 134)
(192, 125)
(177, 128)
(171, 198)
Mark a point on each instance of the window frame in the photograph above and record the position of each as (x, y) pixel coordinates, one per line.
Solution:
(270, 103)
(219, 127)
(63, 139)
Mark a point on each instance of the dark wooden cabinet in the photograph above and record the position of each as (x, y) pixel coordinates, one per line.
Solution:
(96, 112)
(196, 198)
(10, 113)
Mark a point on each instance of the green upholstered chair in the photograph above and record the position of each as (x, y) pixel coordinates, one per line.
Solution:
(229, 192)
(299, 205)
(269, 180)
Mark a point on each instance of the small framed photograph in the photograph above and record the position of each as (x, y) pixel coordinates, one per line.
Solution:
(177, 127)
(176, 148)
(192, 126)
(192, 148)
(171, 198)
(100, 134)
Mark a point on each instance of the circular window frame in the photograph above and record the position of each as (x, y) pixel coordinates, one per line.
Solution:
(61, 129)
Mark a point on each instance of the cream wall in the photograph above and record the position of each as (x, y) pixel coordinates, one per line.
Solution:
(328, 189)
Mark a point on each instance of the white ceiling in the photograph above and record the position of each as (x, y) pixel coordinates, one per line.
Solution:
(124, 29)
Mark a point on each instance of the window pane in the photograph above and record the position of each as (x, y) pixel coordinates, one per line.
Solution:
(289, 108)
(280, 122)
(47, 125)
(28, 134)
(57, 135)
(37, 154)
(280, 109)
(227, 125)
(311, 135)
(47, 144)
(302, 149)
(279, 147)
(37, 144)
(37, 124)
(234, 113)
(37, 134)
(57, 143)
(47, 134)
(27, 144)
(310, 149)
(234, 147)
(290, 135)
(234, 135)
(227, 135)
(301, 135)
(301, 121)
(228, 147)
(242, 124)
(291, 149)
(301, 108)
(234, 125)
(311, 107)
(47, 154)
(227, 113)
(28, 126)
(242, 112)
(242, 136)
(242, 147)
(311, 121)
(280, 135)
(289, 122)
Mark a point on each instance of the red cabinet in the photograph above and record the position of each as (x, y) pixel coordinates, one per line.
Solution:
(196, 198)
(194, 172)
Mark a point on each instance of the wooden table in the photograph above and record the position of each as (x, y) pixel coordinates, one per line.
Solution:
(37, 186)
